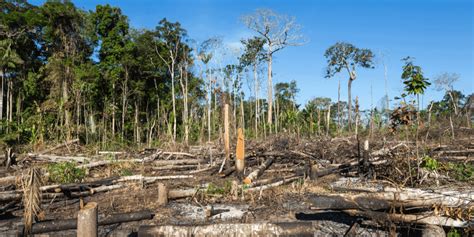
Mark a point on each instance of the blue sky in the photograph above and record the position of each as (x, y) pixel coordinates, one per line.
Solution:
(438, 33)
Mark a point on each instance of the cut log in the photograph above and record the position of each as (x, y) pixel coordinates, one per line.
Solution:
(156, 162)
(69, 224)
(87, 221)
(153, 178)
(272, 185)
(261, 229)
(259, 171)
(382, 217)
(162, 194)
(449, 198)
(55, 158)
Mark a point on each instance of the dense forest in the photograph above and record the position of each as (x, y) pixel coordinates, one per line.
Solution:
(68, 73)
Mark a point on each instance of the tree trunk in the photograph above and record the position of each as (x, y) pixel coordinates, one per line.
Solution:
(349, 98)
(255, 78)
(1, 93)
(124, 102)
(270, 87)
(174, 100)
(113, 111)
(137, 130)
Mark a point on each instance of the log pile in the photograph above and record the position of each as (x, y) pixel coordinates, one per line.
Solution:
(191, 176)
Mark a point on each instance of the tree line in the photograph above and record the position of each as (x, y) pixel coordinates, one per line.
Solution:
(68, 73)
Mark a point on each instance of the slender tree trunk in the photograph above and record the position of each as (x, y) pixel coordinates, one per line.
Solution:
(349, 98)
(270, 87)
(328, 119)
(1, 93)
(454, 103)
(339, 105)
(10, 100)
(113, 111)
(124, 102)
(173, 100)
(255, 78)
(209, 102)
(65, 89)
(387, 106)
(137, 129)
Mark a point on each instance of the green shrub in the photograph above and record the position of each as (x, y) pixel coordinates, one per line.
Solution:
(65, 172)
(430, 163)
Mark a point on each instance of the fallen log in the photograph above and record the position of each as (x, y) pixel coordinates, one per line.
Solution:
(151, 179)
(261, 229)
(259, 171)
(55, 158)
(69, 224)
(451, 198)
(272, 185)
(156, 162)
(382, 217)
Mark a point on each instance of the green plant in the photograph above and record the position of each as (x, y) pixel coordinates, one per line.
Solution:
(65, 172)
(461, 172)
(430, 163)
(214, 189)
(453, 233)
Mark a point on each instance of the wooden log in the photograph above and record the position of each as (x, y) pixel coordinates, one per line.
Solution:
(156, 162)
(382, 217)
(7, 179)
(152, 157)
(55, 158)
(175, 167)
(178, 154)
(87, 221)
(272, 185)
(182, 193)
(69, 224)
(162, 194)
(152, 179)
(305, 228)
(240, 153)
(259, 171)
(449, 198)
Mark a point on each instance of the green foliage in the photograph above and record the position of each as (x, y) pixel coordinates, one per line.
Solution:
(430, 163)
(65, 172)
(342, 56)
(415, 82)
(460, 171)
(453, 233)
(213, 189)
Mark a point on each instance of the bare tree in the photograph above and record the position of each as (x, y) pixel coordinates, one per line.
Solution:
(279, 31)
(445, 82)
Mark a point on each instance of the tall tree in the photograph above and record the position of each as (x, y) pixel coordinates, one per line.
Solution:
(112, 31)
(67, 47)
(253, 55)
(279, 31)
(170, 36)
(345, 56)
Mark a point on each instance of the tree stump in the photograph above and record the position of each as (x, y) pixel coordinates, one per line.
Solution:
(87, 221)
(162, 194)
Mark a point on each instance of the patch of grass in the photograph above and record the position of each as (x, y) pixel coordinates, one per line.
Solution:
(453, 233)
(126, 172)
(65, 172)
(214, 189)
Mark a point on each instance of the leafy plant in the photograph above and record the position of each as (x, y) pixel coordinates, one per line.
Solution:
(65, 172)
(430, 163)
(462, 172)
(453, 233)
(214, 189)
